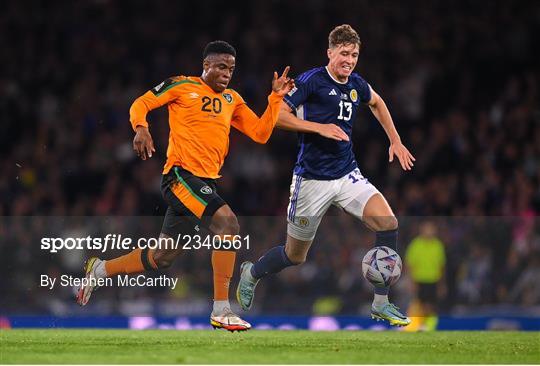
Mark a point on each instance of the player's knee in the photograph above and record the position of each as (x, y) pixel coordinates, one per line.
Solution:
(228, 225)
(385, 223)
(163, 260)
(231, 226)
(391, 223)
(225, 222)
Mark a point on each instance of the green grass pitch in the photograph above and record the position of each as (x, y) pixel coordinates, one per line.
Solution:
(61, 346)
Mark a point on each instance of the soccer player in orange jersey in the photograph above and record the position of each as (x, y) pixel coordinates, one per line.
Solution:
(201, 112)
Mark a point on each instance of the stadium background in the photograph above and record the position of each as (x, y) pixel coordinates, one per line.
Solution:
(461, 81)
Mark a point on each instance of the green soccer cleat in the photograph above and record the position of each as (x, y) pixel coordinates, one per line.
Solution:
(245, 292)
(391, 313)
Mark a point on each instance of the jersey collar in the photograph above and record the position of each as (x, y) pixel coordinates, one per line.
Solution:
(337, 81)
(207, 86)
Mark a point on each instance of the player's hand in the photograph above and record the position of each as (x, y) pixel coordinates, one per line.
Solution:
(404, 156)
(283, 84)
(143, 144)
(333, 132)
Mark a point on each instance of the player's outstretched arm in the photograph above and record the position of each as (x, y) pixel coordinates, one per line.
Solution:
(288, 121)
(260, 129)
(380, 111)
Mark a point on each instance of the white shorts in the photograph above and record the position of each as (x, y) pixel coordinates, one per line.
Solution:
(310, 199)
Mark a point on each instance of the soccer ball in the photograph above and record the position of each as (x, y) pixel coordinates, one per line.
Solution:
(381, 266)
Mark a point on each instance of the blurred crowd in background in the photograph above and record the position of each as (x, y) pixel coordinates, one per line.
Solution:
(461, 80)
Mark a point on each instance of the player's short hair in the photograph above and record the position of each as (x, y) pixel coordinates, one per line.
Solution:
(217, 47)
(343, 34)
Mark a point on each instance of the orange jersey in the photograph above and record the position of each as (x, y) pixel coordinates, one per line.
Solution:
(200, 121)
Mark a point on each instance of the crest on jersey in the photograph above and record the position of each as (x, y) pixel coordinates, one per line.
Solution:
(354, 95)
(228, 97)
(206, 190)
(303, 221)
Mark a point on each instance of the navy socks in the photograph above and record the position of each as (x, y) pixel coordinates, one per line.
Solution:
(388, 239)
(272, 261)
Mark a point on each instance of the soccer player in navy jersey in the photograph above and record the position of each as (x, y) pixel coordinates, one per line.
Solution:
(326, 101)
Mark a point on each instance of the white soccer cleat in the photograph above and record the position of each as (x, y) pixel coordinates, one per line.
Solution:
(85, 291)
(229, 321)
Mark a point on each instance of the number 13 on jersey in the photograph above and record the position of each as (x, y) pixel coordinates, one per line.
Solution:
(347, 108)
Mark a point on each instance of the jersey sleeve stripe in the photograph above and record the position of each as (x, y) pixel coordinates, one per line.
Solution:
(289, 103)
(305, 77)
(177, 83)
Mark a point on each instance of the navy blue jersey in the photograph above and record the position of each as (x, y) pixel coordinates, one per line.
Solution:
(319, 98)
